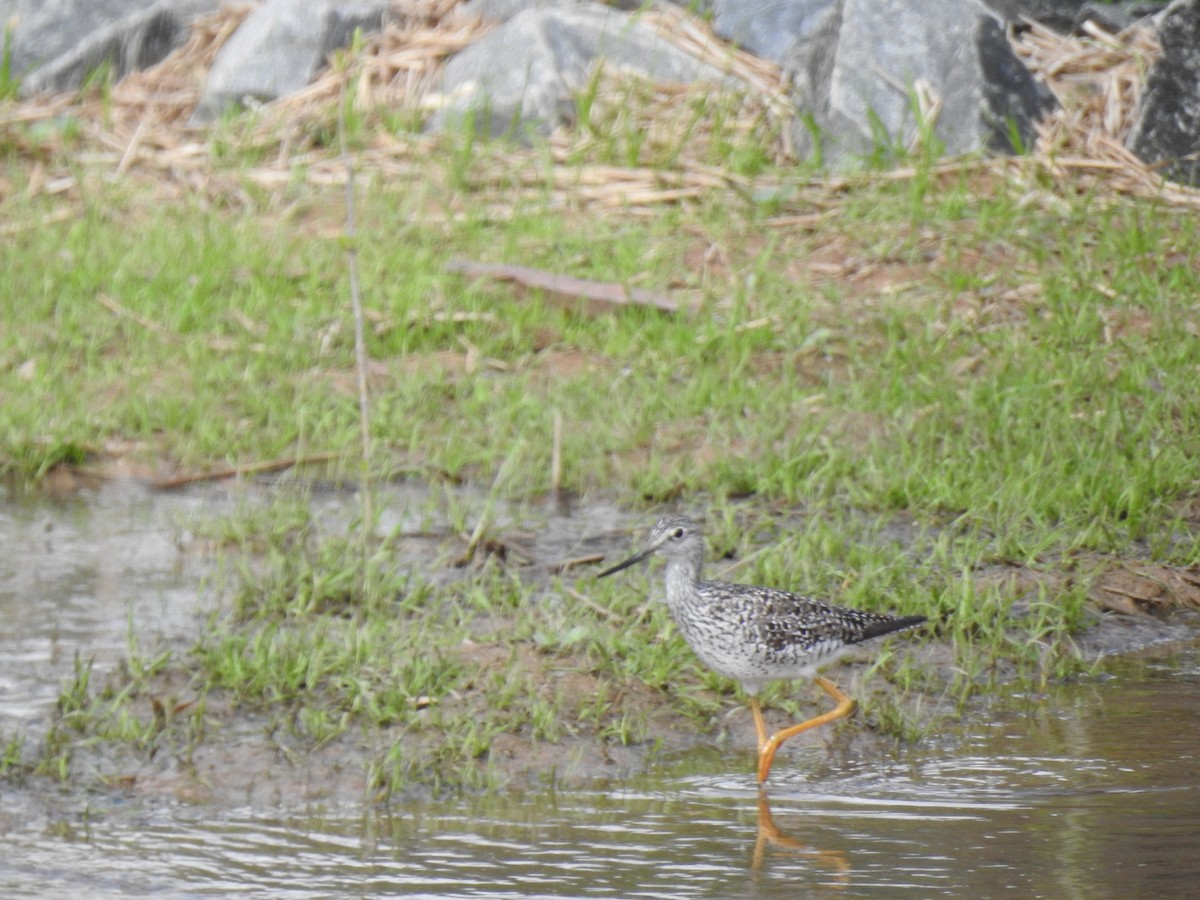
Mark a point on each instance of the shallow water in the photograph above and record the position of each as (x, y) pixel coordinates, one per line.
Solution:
(1096, 793)
(100, 571)
(1092, 791)
(75, 573)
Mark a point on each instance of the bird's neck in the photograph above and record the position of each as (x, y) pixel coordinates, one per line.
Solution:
(682, 577)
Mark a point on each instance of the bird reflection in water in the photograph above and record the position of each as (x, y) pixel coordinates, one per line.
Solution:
(832, 861)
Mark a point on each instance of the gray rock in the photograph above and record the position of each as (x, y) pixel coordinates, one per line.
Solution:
(56, 44)
(856, 75)
(280, 47)
(500, 11)
(523, 75)
(773, 30)
(1167, 130)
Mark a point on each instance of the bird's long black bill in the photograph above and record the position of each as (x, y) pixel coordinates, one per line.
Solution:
(629, 562)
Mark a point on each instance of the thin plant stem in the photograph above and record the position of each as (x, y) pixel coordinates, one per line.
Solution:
(360, 346)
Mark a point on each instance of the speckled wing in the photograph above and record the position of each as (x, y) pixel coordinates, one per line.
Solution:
(784, 627)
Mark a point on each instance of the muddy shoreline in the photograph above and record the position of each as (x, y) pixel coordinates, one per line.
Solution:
(246, 764)
(255, 756)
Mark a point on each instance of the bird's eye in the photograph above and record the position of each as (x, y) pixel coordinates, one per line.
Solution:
(677, 533)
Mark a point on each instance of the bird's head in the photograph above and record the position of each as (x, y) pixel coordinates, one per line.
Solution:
(675, 537)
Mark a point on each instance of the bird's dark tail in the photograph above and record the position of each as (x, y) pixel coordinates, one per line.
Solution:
(890, 624)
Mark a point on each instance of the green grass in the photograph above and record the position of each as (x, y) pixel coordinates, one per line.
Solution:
(942, 397)
(998, 374)
(8, 84)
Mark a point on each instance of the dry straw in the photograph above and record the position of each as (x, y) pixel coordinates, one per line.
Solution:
(141, 127)
(1097, 79)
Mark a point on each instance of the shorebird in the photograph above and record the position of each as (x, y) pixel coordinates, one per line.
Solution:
(757, 634)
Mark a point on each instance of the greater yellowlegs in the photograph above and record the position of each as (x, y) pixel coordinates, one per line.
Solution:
(756, 634)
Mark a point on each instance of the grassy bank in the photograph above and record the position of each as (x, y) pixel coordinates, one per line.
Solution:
(958, 390)
(941, 345)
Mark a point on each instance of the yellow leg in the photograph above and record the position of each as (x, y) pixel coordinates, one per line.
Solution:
(767, 748)
(759, 723)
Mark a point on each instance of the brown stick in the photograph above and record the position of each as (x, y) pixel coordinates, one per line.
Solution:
(556, 454)
(149, 324)
(275, 465)
(564, 564)
(563, 286)
(593, 605)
